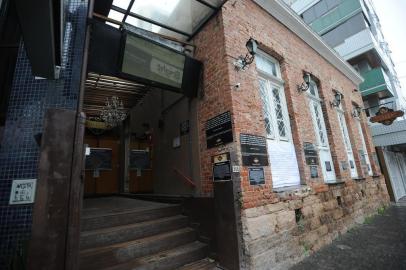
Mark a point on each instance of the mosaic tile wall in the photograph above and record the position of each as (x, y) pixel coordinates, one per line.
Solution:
(29, 100)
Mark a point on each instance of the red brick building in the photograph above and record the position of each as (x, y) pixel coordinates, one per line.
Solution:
(272, 236)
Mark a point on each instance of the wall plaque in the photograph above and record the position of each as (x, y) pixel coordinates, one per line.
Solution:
(311, 155)
(99, 159)
(139, 159)
(256, 176)
(23, 191)
(344, 165)
(184, 128)
(363, 157)
(219, 130)
(221, 167)
(328, 166)
(314, 173)
(253, 150)
(352, 165)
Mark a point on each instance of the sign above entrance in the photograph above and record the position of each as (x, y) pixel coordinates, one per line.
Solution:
(145, 59)
(137, 58)
(253, 150)
(152, 63)
(386, 116)
(219, 130)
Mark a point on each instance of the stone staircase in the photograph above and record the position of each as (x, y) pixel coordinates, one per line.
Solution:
(144, 238)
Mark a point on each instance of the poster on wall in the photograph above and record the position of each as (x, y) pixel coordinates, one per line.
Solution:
(219, 130)
(253, 150)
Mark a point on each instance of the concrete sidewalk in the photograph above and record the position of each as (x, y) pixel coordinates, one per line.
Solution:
(379, 243)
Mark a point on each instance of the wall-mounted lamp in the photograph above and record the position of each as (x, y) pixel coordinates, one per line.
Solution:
(356, 112)
(306, 84)
(337, 99)
(243, 62)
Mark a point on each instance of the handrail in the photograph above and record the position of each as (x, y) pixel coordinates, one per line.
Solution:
(188, 180)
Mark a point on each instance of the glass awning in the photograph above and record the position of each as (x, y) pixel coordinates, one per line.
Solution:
(180, 19)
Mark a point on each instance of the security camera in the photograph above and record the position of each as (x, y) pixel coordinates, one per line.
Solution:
(237, 85)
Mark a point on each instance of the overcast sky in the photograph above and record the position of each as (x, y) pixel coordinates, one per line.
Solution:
(392, 15)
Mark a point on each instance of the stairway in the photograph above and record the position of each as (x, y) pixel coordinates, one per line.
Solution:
(151, 236)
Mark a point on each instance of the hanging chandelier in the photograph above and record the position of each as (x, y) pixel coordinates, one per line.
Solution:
(113, 112)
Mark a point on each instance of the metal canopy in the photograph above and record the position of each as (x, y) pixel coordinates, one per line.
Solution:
(180, 19)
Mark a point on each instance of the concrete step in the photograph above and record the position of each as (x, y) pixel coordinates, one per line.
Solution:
(204, 264)
(125, 233)
(101, 257)
(104, 220)
(166, 260)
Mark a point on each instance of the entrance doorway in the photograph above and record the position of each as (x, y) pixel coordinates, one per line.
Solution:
(154, 150)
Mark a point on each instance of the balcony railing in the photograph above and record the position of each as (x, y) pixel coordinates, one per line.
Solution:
(343, 12)
(376, 82)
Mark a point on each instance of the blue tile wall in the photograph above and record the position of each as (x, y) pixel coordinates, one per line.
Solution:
(29, 99)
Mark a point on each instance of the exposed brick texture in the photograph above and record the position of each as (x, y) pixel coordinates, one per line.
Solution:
(272, 237)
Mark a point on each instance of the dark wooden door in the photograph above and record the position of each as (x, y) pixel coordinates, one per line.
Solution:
(105, 181)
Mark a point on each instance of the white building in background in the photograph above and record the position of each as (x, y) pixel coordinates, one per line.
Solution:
(353, 29)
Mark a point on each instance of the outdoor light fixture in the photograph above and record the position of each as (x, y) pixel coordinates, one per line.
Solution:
(243, 62)
(337, 99)
(306, 84)
(356, 112)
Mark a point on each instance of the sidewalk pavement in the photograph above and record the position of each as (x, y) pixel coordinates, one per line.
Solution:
(379, 244)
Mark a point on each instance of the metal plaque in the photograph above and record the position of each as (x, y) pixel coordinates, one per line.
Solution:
(314, 173)
(312, 160)
(221, 167)
(344, 165)
(99, 159)
(139, 159)
(253, 150)
(23, 191)
(256, 176)
(328, 166)
(184, 128)
(363, 157)
(219, 130)
(352, 165)
(311, 155)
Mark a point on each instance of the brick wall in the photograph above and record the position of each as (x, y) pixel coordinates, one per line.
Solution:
(271, 234)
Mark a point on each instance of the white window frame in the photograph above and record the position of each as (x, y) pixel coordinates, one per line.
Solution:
(364, 145)
(271, 83)
(347, 141)
(315, 98)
